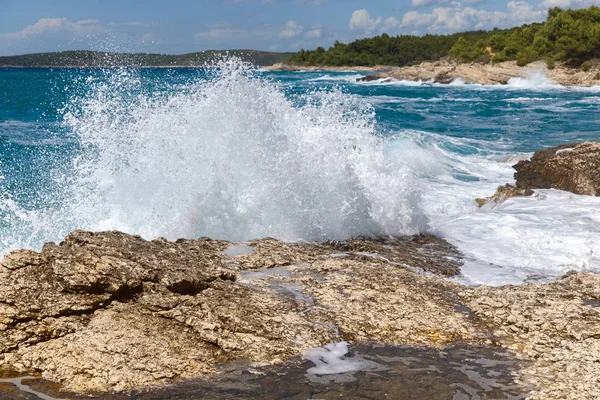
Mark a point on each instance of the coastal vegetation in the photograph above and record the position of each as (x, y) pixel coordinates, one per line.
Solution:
(572, 36)
(102, 59)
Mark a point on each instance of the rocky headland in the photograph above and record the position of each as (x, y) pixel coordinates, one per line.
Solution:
(110, 313)
(446, 71)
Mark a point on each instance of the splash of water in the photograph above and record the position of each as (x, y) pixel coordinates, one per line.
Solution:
(227, 157)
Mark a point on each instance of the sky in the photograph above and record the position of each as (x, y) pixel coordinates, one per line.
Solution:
(184, 26)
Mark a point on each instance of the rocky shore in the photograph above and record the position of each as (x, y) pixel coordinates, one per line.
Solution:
(447, 71)
(112, 313)
(573, 167)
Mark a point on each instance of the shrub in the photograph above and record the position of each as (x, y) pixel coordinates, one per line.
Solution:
(498, 58)
(586, 66)
(526, 56)
(550, 63)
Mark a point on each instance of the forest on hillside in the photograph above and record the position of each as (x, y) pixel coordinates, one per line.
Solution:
(567, 35)
(84, 58)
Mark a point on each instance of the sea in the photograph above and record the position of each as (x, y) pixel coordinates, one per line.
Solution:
(235, 152)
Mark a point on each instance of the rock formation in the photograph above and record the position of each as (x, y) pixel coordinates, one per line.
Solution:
(571, 167)
(111, 312)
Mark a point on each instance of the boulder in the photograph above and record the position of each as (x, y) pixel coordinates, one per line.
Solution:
(444, 78)
(571, 167)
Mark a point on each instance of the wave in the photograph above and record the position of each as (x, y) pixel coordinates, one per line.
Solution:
(337, 78)
(227, 157)
(236, 155)
(535, 80)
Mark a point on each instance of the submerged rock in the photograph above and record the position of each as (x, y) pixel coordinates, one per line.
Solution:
(571, 167)
(370, 78)
(503, 193)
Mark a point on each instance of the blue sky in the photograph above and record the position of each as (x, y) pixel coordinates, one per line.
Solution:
(181, 26)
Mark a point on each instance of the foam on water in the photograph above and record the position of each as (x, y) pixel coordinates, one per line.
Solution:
(331, 360)
(337, 78)
(528, 238)
(535, 80)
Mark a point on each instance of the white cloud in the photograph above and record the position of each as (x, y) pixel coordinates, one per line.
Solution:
(53, 25)
(390, 24)
(361, 20)
(314, 33)
(292, 29)
(457, 18)
(425, 3)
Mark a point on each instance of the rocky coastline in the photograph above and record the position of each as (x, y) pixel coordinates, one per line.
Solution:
(111, 315)
(445, 71)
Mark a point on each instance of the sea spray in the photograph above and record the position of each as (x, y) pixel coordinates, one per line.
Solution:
(229, 153)
(227, 157)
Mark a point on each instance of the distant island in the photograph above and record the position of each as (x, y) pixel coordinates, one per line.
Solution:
(568, 36)
(85, 58)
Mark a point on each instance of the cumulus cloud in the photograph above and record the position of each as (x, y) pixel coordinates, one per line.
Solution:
(53, 25)
(292, 29)
(361, 20)
(314, 33)
(457, 18)
(390, 24)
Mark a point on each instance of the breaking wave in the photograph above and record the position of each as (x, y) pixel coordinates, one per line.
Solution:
(229, 156)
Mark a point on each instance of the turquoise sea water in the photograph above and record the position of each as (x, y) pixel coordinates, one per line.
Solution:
(237, 153)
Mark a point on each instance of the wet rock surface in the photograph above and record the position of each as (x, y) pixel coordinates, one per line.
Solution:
(504, 193)
(403, 373)
(112, 313)
(571, 167)
(556, 325)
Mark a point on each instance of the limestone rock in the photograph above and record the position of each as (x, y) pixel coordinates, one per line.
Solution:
(571, 167)
(111, 312)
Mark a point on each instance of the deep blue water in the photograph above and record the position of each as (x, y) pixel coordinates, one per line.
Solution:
(132, 138)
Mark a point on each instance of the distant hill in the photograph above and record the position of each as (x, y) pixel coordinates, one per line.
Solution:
(84, 58)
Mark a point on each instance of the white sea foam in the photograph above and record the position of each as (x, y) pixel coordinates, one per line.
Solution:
(337, 78)
(535, 80)
(330, 360)
(527, 238)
